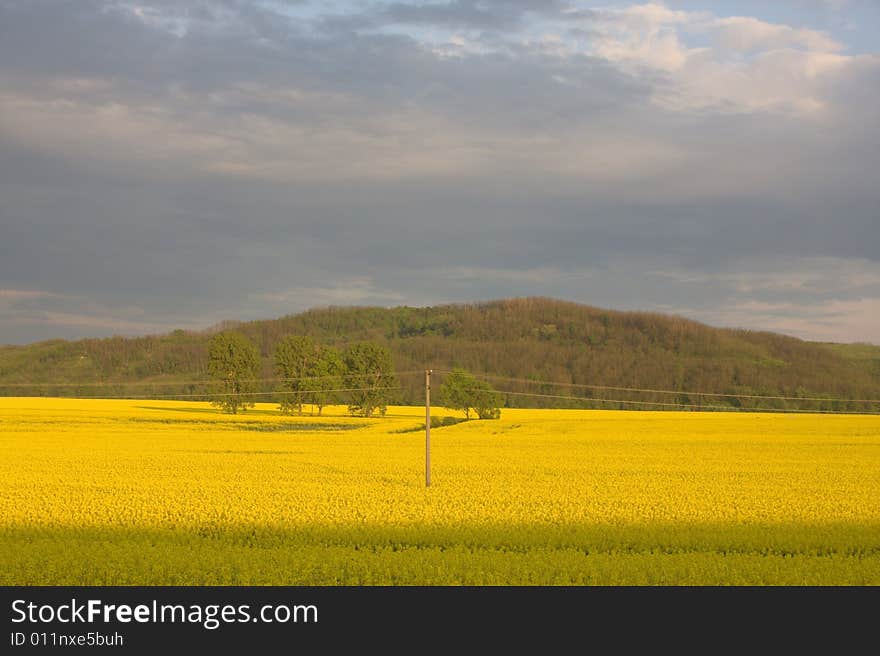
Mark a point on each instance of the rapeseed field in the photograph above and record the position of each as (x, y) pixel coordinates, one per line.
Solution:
(126, 492)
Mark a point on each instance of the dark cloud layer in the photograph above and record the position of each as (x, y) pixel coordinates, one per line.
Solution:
(170, 164)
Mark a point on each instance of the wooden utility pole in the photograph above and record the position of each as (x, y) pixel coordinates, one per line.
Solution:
(427, 428)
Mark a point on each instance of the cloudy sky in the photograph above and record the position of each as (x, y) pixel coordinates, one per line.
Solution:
(174, 163)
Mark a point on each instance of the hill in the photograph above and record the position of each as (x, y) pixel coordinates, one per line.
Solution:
(865, 355)
(527, 338)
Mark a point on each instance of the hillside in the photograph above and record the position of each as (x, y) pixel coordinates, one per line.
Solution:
(530, 338)
(866, 356)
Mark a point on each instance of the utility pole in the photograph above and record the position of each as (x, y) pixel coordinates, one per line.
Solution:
(427, 428)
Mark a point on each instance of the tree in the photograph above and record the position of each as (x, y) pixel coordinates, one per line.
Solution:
(234, 361)
(486, 401)
(462, 391)
(455, 392)
(369, 373)
(311, 373)
(295, 358)
(326, 377)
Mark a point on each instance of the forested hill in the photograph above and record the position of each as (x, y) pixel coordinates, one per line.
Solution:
(530, 338)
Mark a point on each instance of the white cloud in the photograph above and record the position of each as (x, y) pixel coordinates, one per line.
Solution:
(651, 15)
(184, 129)
(744, 33)
(23, 294)
(26, 308)
(103, 323)
(829, 321)
(815, 298)
(656, 48)
(747, 65)
(348, 291)
(780, 81)
(823, 277)
(545, 275)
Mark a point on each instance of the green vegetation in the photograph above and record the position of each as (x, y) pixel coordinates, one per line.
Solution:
(866, 356)
(462, 391)
(310, 373)
(233, 360)
(326, 378)
(482, 554)
(369, 378)
(436, 422)
(530, 339)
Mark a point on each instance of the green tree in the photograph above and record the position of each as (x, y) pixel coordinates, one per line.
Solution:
(370, 372)
(455, 392)
(462, 391)
(234, 361)
(295, 360)
(326, 376)
(486, 401)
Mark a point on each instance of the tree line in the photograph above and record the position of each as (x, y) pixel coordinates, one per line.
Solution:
(529, 339)
(319, 375)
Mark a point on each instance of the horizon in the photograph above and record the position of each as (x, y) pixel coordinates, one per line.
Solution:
(166, 165)
(231, 324)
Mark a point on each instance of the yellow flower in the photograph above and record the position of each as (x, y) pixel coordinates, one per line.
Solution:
(161, 492)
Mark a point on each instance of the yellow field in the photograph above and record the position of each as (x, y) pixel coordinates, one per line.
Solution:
(152, 492)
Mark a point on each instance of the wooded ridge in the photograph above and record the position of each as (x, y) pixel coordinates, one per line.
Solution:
(528, 339)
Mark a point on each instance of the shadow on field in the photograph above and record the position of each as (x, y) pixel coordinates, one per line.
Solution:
(223, 553)
(211, 411)
(273, 413)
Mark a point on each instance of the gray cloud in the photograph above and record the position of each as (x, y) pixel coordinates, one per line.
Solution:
(491, 15)
(167, 164)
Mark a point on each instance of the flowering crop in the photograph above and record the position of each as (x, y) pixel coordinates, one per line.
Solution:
(162, 492)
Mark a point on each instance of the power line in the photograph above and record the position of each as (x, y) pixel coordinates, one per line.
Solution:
(106, 384)
(659, 391)
(579, 399)
(525, 381)
(200, 382)
(681, 405)
(243, 394)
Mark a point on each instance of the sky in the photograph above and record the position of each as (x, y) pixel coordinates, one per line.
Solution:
(177, 163)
